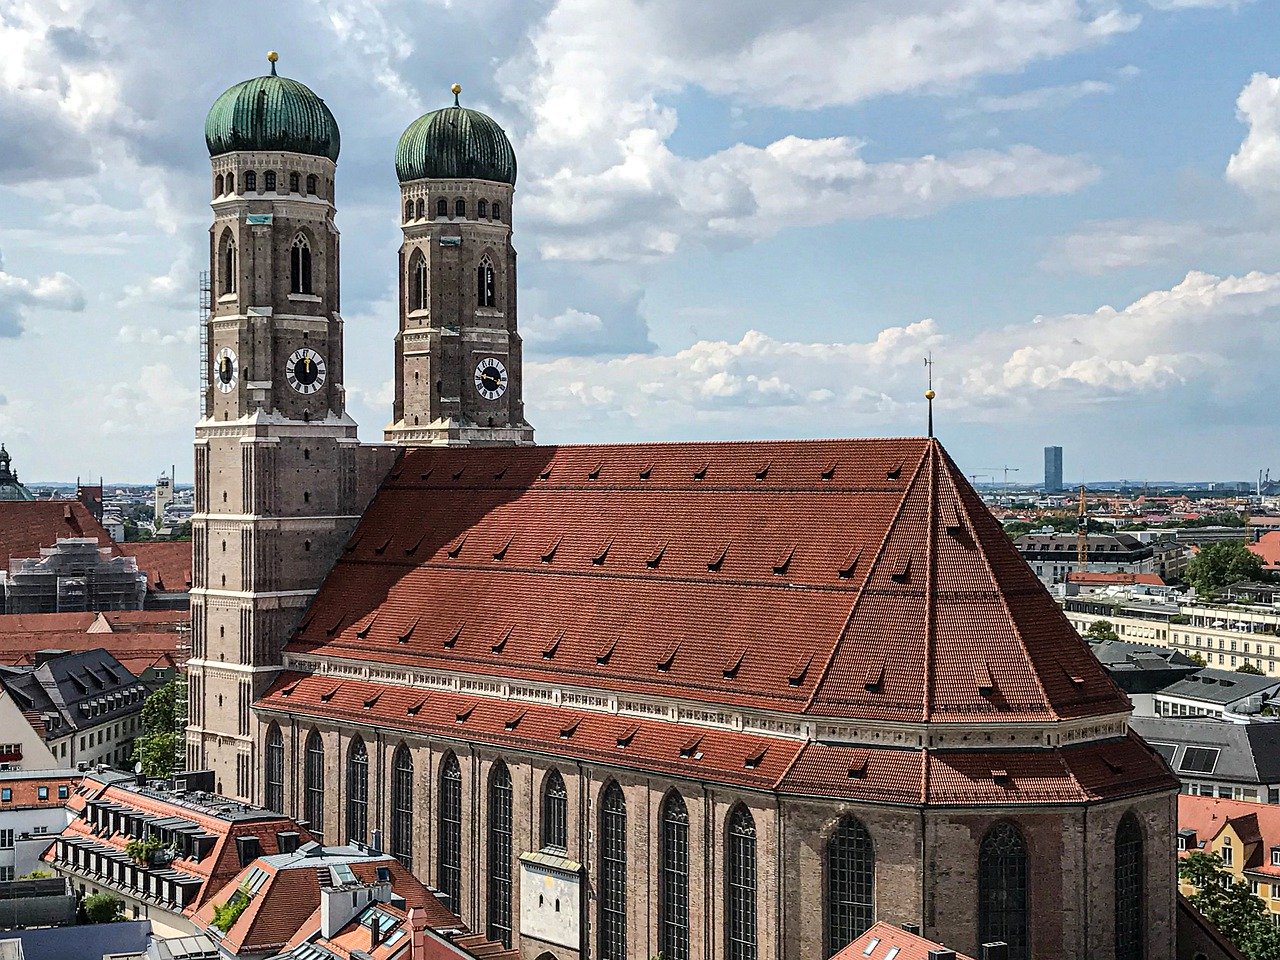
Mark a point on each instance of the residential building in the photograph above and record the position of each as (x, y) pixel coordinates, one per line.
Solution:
(1211, 758)
(32, 812)
(152, 645)
(1055, 556)
(197, 843)
(1052, 469)
(1268, 548)
(320, 902)
(127, 940)
(71, 710)
(1245, 835)
(1222, 694)
(1142, 670)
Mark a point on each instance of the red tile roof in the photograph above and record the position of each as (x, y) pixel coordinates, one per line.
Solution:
(1120, 577)
(26, 526)
(1268, 548)
(1256, 824)
(167, 563)
(850, 578)
(135, 651)
(877, 943)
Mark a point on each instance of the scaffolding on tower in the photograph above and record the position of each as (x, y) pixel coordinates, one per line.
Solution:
(206, 311)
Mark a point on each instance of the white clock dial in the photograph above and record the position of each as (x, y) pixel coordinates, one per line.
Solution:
(491, 378)
(226, 370)
(305, 371)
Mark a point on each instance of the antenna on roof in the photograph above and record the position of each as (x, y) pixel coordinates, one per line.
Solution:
(929, 394)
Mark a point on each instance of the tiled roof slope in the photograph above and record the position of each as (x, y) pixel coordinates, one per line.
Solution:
(167, 563)
(1085, 772)
(25, 527)
(884, 941)
(844, 578)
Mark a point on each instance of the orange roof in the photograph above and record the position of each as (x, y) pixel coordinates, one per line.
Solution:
(877, 943)
(167, 563)
(1150, 579)
(849, 578)
(1255, 824)
(136, 651)
(1268, 548)
(26, 526)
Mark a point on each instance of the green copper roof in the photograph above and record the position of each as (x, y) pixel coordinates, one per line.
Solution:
(455, 144)
(271, 113)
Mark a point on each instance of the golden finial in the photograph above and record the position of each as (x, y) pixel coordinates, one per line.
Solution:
(272, 57)
(455, 90)
(929, 394)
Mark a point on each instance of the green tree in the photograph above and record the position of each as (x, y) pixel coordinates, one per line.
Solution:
(1219, 564)
(155, 747)
(1238, 914)
(1250, 668)
(1196, 658)
(1101, 630)
(103, 908)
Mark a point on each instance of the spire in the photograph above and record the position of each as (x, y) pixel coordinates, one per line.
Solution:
(929, 394)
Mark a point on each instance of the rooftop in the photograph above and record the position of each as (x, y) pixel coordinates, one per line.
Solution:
(884, 941)
(1222, 686)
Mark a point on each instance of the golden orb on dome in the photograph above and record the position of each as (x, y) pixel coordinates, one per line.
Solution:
(929, 394)
(272, 56)
(456, 89)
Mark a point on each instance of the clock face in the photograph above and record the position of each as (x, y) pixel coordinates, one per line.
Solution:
(491, 378)
(305, 371)
(226, 370)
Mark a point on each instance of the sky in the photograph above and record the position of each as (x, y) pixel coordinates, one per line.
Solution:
(735, 218)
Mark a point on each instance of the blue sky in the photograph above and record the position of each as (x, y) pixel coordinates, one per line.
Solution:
(735, 219)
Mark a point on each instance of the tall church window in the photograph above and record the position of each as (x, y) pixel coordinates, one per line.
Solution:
(740, 885)
(230, 264)
(311, 185)
(300, 265)
(850, 868)
(294, 182)
(269, 180)
(402, 806)
(408, 210)
(357, 791)
(217, 186)
(1129, 889)
(482, 209)
(250, 182)
(673, 879)
(442, 207)
(313, 777)
(421, 208)
(555, 813)
(499, 921)
(460, 208)
(613, 874)
(486, 296)
(418, 281)
(449, 858)
(231, 183)
(273, 797)
(497, 210)
(1002, 889)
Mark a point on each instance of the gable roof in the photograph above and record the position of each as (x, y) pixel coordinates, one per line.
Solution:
(167, 563)
(884, 941)
(25, 527)
(81, 689)
(807, 577)
(1221, 686)
(1247, 752)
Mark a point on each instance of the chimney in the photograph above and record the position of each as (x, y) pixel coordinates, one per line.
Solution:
(418, 934)
(942, 953)
(912, 928)
(287, 841)
(376, 845)
(997, 950)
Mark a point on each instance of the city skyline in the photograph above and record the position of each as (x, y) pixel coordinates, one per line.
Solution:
(732, 239)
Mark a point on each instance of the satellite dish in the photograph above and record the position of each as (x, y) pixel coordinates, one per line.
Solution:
(137, 767)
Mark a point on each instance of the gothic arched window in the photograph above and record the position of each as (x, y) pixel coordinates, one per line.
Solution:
(1130, 877)
(311, 185)
(499, 921)
(497, 210)
(357, 791)
(482, 209)
(740, 885)
(449, 854)
(408, 210)
(313, 777)
(460, 208)
(294, 182)
(851, 870)
(300, 265)
(418, 290)
(269, 180)
(250, 182)
(421, 208)
(486, 295)
(217, 186)
(555, 812)
(673, 879)
(613, 874)
(442, 207)
(273, 798)
(230, 264)
(1002, 889)
(402, 806)
(231, 183)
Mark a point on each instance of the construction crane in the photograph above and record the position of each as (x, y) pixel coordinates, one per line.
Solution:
(1007, 470)
(1082, 533)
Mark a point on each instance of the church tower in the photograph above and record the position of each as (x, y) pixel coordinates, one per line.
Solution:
(458, 357)
(277, 464)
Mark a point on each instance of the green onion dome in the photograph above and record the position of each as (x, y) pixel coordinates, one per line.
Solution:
(271, 113)
(455, 144)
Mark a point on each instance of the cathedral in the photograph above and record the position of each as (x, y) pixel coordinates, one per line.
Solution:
(721, 700)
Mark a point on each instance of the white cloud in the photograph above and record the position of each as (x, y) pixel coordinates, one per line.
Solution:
(57, 291)
(1198, 4)
(1172, 344)
(1119, 244)
(1038, 98)
(1255, 167)
(156, 400)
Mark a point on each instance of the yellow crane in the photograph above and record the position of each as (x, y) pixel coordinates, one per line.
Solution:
(1082, 533)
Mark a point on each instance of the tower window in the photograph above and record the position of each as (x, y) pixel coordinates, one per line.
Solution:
(408, 210)
(229, 264)
(449, 859)
(499, 926)
(311, 185)
(482, 209)
(273, 798)
(497, 210)
(673, 879)
(555, 812)
(250, 181)
(442, 207)
(1002, 889)
(460, 208)
(217, 192)
(421, 208)
(231, 183)
(402, 806)
(300, 265)
(293, 182)
(613, 874)
(850, 874)
(418, 282)
(357, 791)
(486, 296)
(313, 776)
(269, 180)
(740, 885)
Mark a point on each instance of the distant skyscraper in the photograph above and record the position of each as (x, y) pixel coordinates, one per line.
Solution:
(1052, 469)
